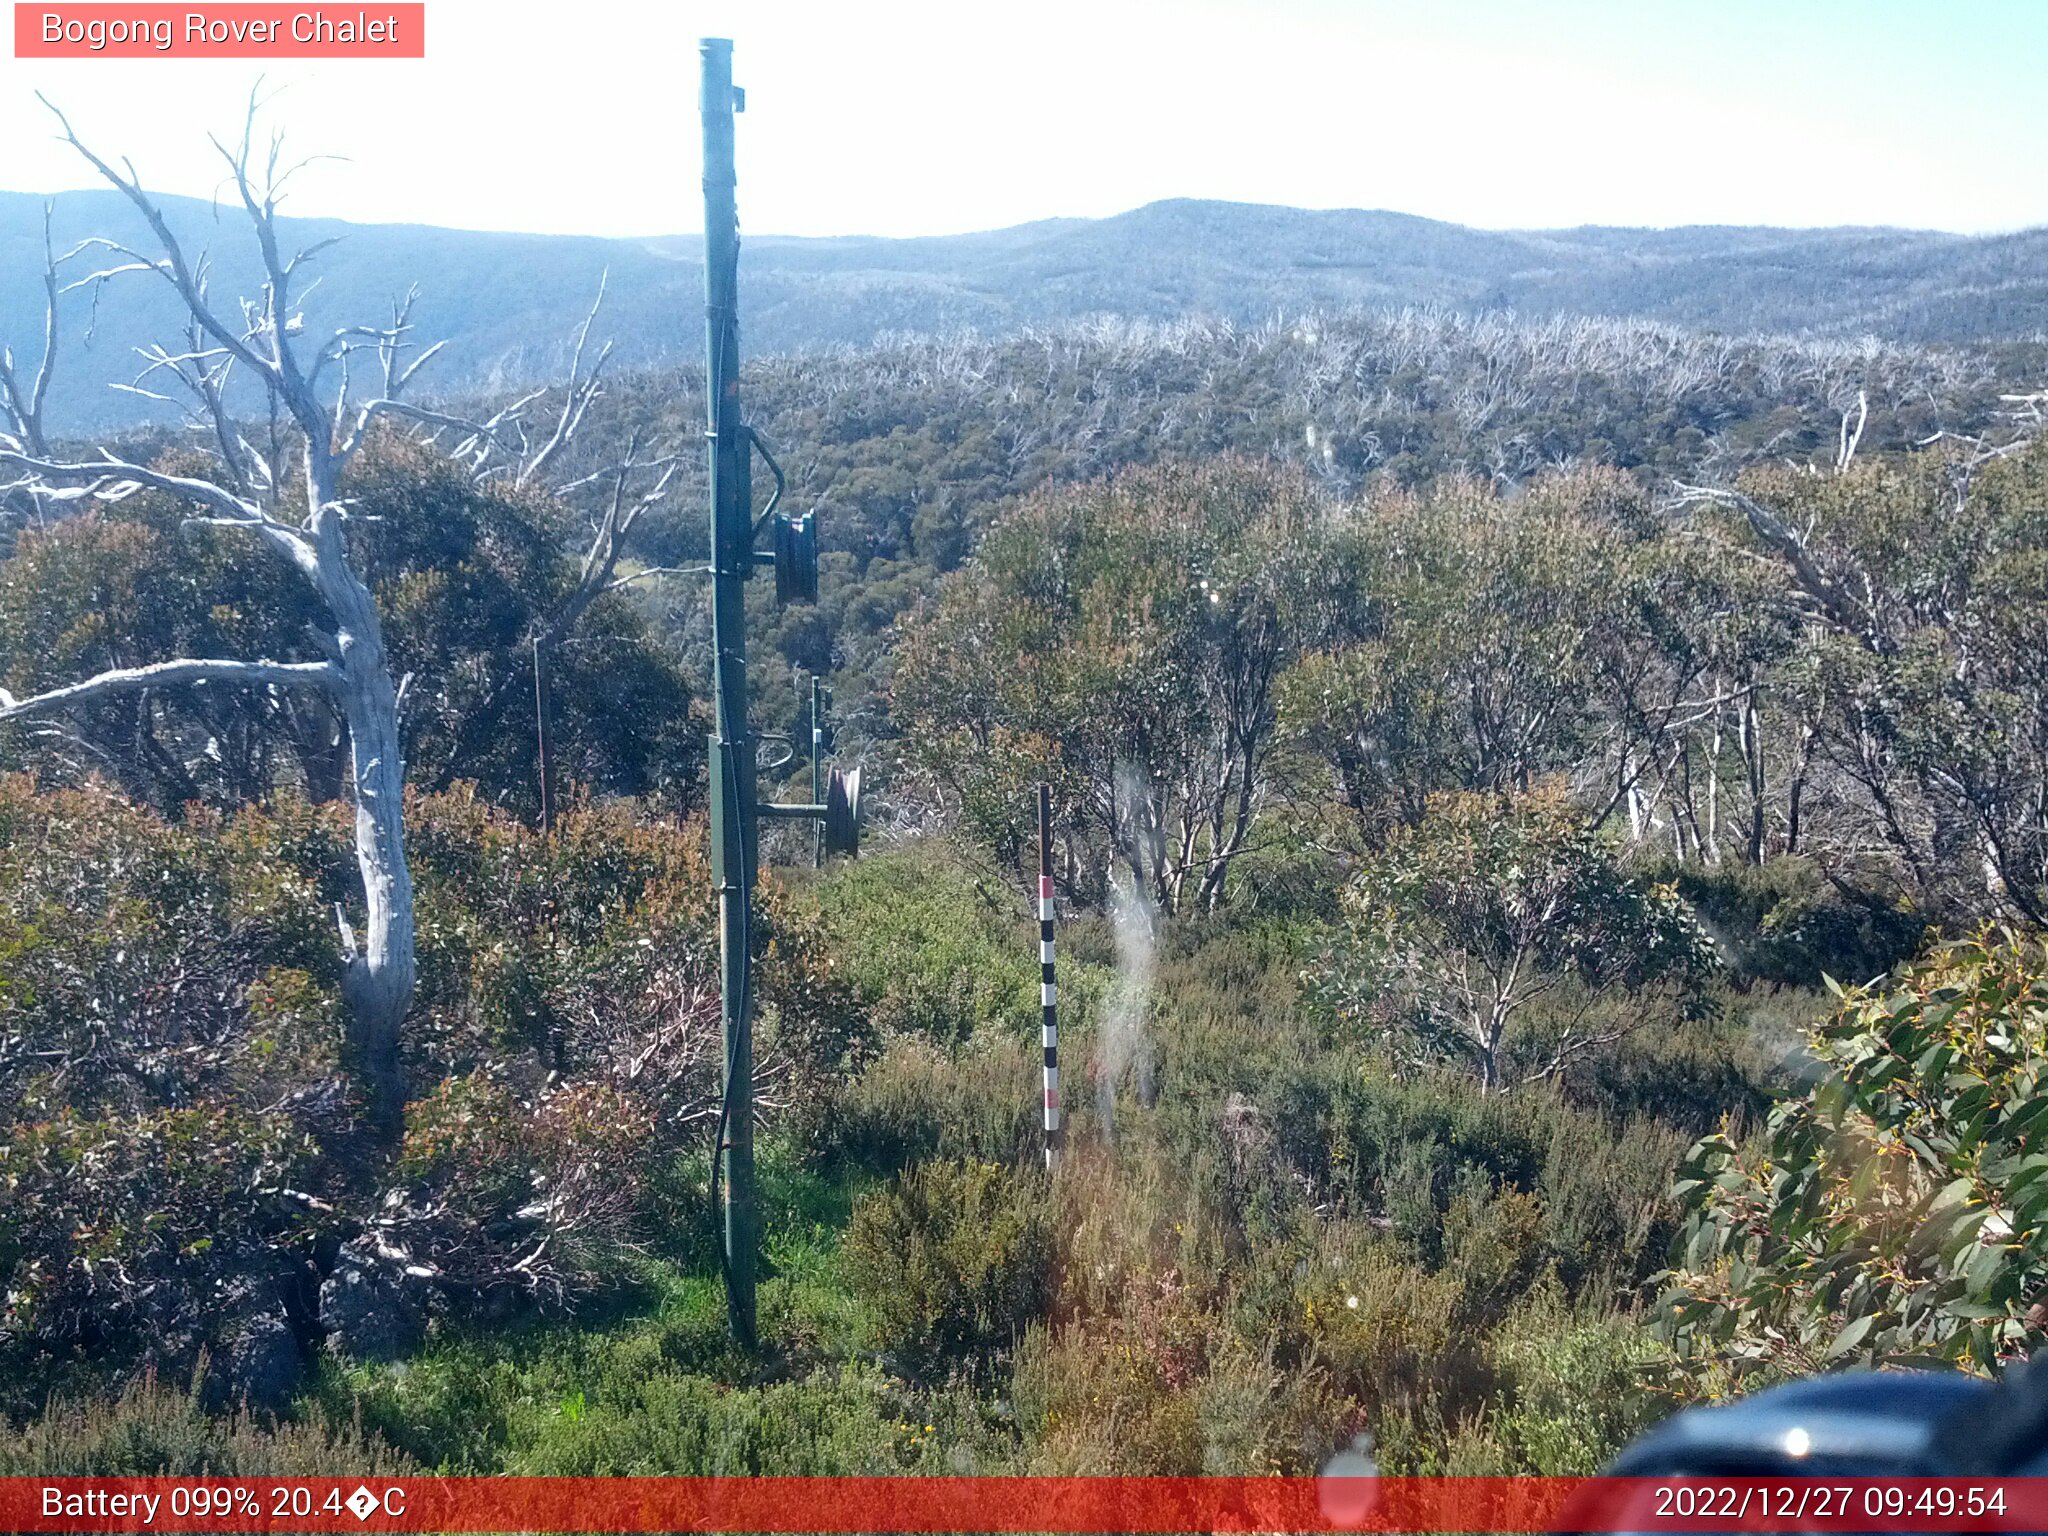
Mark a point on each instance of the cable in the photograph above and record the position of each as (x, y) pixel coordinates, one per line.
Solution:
(742, 1011)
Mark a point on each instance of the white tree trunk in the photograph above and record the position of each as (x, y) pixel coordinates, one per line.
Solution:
(378, 982)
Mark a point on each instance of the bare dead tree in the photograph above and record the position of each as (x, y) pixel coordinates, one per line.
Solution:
(21, 404)
(625, 490)
(299, 517)
(578, 395)
(636, 485)
(1854, 420)
(1830, 596)
(21, 401)
(501, 448)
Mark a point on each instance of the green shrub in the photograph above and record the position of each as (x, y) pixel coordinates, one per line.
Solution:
(1223, 986)
(1575, 1389)
(593, 953)
(1385, 1330)
(1607, 1207)
(933, 948)
(146, 965)
(1899, 1211)
(953, 1261)
(151, 1430)
(1784, 922)
(919, 1099)
(1402, 1149)
(170, 994)
(139, 1233)
(1692, 1073)
(1129, 1216)
(848, 1423)
(1168, 1389)
(540, 1197)
(1493, 1248)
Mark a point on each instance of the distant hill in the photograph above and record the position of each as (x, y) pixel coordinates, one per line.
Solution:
(508, 303)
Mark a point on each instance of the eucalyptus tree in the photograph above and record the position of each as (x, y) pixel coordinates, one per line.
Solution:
(1125, 639)
(1466, 662)
(1920, 582)
(1493, 908)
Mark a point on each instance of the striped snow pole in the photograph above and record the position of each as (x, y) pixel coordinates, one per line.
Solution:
(1048, 989)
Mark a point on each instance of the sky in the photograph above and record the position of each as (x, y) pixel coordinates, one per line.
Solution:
(914, 117)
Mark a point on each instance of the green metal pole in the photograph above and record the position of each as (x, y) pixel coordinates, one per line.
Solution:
(817, 767)
(732, 748)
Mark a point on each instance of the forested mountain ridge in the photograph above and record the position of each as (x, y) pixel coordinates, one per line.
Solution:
(507, 302)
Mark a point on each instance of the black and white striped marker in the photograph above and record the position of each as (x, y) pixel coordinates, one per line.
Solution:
(1048, 988)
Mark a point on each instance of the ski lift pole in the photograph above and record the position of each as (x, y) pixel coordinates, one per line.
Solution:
(1048, 988)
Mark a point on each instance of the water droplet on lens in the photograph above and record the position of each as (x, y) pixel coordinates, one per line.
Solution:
(1347, 1489)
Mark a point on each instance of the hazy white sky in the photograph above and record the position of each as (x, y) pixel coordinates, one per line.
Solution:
(905, 117)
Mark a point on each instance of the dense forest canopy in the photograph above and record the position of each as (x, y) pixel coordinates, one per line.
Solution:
(908, 450)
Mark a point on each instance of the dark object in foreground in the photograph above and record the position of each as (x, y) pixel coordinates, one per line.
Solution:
(1887, 1424)
(1859, 1424)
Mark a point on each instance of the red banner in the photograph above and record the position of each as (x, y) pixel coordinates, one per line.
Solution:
(230, 31)
(1006, 1504)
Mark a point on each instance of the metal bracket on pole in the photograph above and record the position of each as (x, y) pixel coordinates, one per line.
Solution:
(839, 811)
(781, 485)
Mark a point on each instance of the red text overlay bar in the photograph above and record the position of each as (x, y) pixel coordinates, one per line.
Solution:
(377, 30)
(1007, 1504)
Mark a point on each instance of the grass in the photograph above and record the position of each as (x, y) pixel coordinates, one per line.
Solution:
(500, 1398)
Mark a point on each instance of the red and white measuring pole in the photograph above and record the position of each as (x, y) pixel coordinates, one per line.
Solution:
(1048, 988)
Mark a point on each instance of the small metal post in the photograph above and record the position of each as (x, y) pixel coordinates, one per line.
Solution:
(817, 767)
(540, 737)
(1048, 989)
